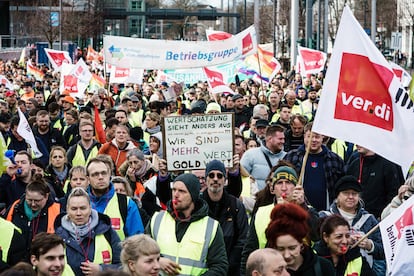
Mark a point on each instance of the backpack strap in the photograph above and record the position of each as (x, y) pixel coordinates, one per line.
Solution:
(123, 206)
(361, 221)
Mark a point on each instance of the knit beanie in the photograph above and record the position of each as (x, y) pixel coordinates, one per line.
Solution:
(215, 165)
(192, 183)
(285, 172)
(347, 182)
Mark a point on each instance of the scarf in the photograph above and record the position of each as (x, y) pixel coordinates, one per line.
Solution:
(61, 175)
(79, 232)
(154, 129)
(140, 173)
(29, 212)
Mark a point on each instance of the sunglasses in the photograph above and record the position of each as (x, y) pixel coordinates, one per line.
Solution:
(219, 175)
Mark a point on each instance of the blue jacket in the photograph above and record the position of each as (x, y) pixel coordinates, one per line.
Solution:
(74, 252)
(133, 223)
(370, 223)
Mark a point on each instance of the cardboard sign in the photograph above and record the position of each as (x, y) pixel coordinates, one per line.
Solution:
(194, 140)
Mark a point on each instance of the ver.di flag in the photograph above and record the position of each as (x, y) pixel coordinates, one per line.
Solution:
(311, 61)
(24, 130)
(362, 101)
(57, 58)
(397, 231)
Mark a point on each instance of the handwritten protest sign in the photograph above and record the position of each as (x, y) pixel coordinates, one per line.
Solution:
(194, 140)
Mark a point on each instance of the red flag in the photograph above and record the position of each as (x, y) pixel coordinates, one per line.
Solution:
(215, 81)
(99, 130)
(363, 101)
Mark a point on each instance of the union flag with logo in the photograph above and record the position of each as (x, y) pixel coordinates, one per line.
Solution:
(362, 100)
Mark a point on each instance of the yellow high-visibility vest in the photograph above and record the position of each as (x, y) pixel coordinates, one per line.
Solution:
(191, 252)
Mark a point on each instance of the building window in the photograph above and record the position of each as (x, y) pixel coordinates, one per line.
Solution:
(135, 5)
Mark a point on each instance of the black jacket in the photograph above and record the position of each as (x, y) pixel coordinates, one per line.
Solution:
(380, 181)
(30, 228)
(231, 214)
(313, 265)
(323, 251)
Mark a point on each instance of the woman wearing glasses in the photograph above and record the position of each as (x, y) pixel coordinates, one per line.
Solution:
(91, 244)
(34, 212)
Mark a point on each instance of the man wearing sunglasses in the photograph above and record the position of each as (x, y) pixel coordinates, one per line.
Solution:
(228, 211)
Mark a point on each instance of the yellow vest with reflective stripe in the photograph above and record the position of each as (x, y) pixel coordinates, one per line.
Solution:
(135, 118)
(246, 186)
(112, 211)
(65, 128)
(58, 125)
(261, 222)
(7, 231)
(79, 158)
(354, 266)
(103, 250)
(67, 270)
(191, 252)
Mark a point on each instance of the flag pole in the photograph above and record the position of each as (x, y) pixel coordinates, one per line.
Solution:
(365, 236)
(305, 160)
(260, 69)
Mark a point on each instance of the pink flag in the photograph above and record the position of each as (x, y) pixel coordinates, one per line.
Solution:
(362, 100)
(312, 61)
(56, 58)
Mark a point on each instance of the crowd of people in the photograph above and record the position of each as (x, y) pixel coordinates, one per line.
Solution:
(108, 205)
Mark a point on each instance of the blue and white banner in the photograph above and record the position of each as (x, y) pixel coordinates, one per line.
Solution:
(142, 53)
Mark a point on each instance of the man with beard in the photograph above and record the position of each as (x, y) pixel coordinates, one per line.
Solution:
(123, 211)
(191, 242)
(228, 211)
(323, 168)
(311, 104)
(46, 135)
(13, 183)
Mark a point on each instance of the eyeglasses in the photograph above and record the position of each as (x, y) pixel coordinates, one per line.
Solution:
(96, 174)
(219, 175)
(34, 201)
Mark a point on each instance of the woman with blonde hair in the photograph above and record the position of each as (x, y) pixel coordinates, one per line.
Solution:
(57, 172)
(140, 256)
(91, 243)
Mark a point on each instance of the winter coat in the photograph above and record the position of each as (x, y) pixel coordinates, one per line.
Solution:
(75, 253)
(231, 214)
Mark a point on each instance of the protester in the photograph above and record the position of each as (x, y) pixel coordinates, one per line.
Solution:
(404, 192)
(47, 255)
(34, 212)
(57, 171)
(91, 243)
(118, 147)
(185, 221)
(266, 261)
(349, 206)
(335, 245)
(140, 256)
(288, 232)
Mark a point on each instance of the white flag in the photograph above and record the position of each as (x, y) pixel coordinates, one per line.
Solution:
(57, 58)
(24, 130)
(311, 61)
(401, 74)
(363, 102)
(397, 231)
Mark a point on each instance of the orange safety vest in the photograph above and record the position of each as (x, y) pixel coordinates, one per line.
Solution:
(52, 212)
